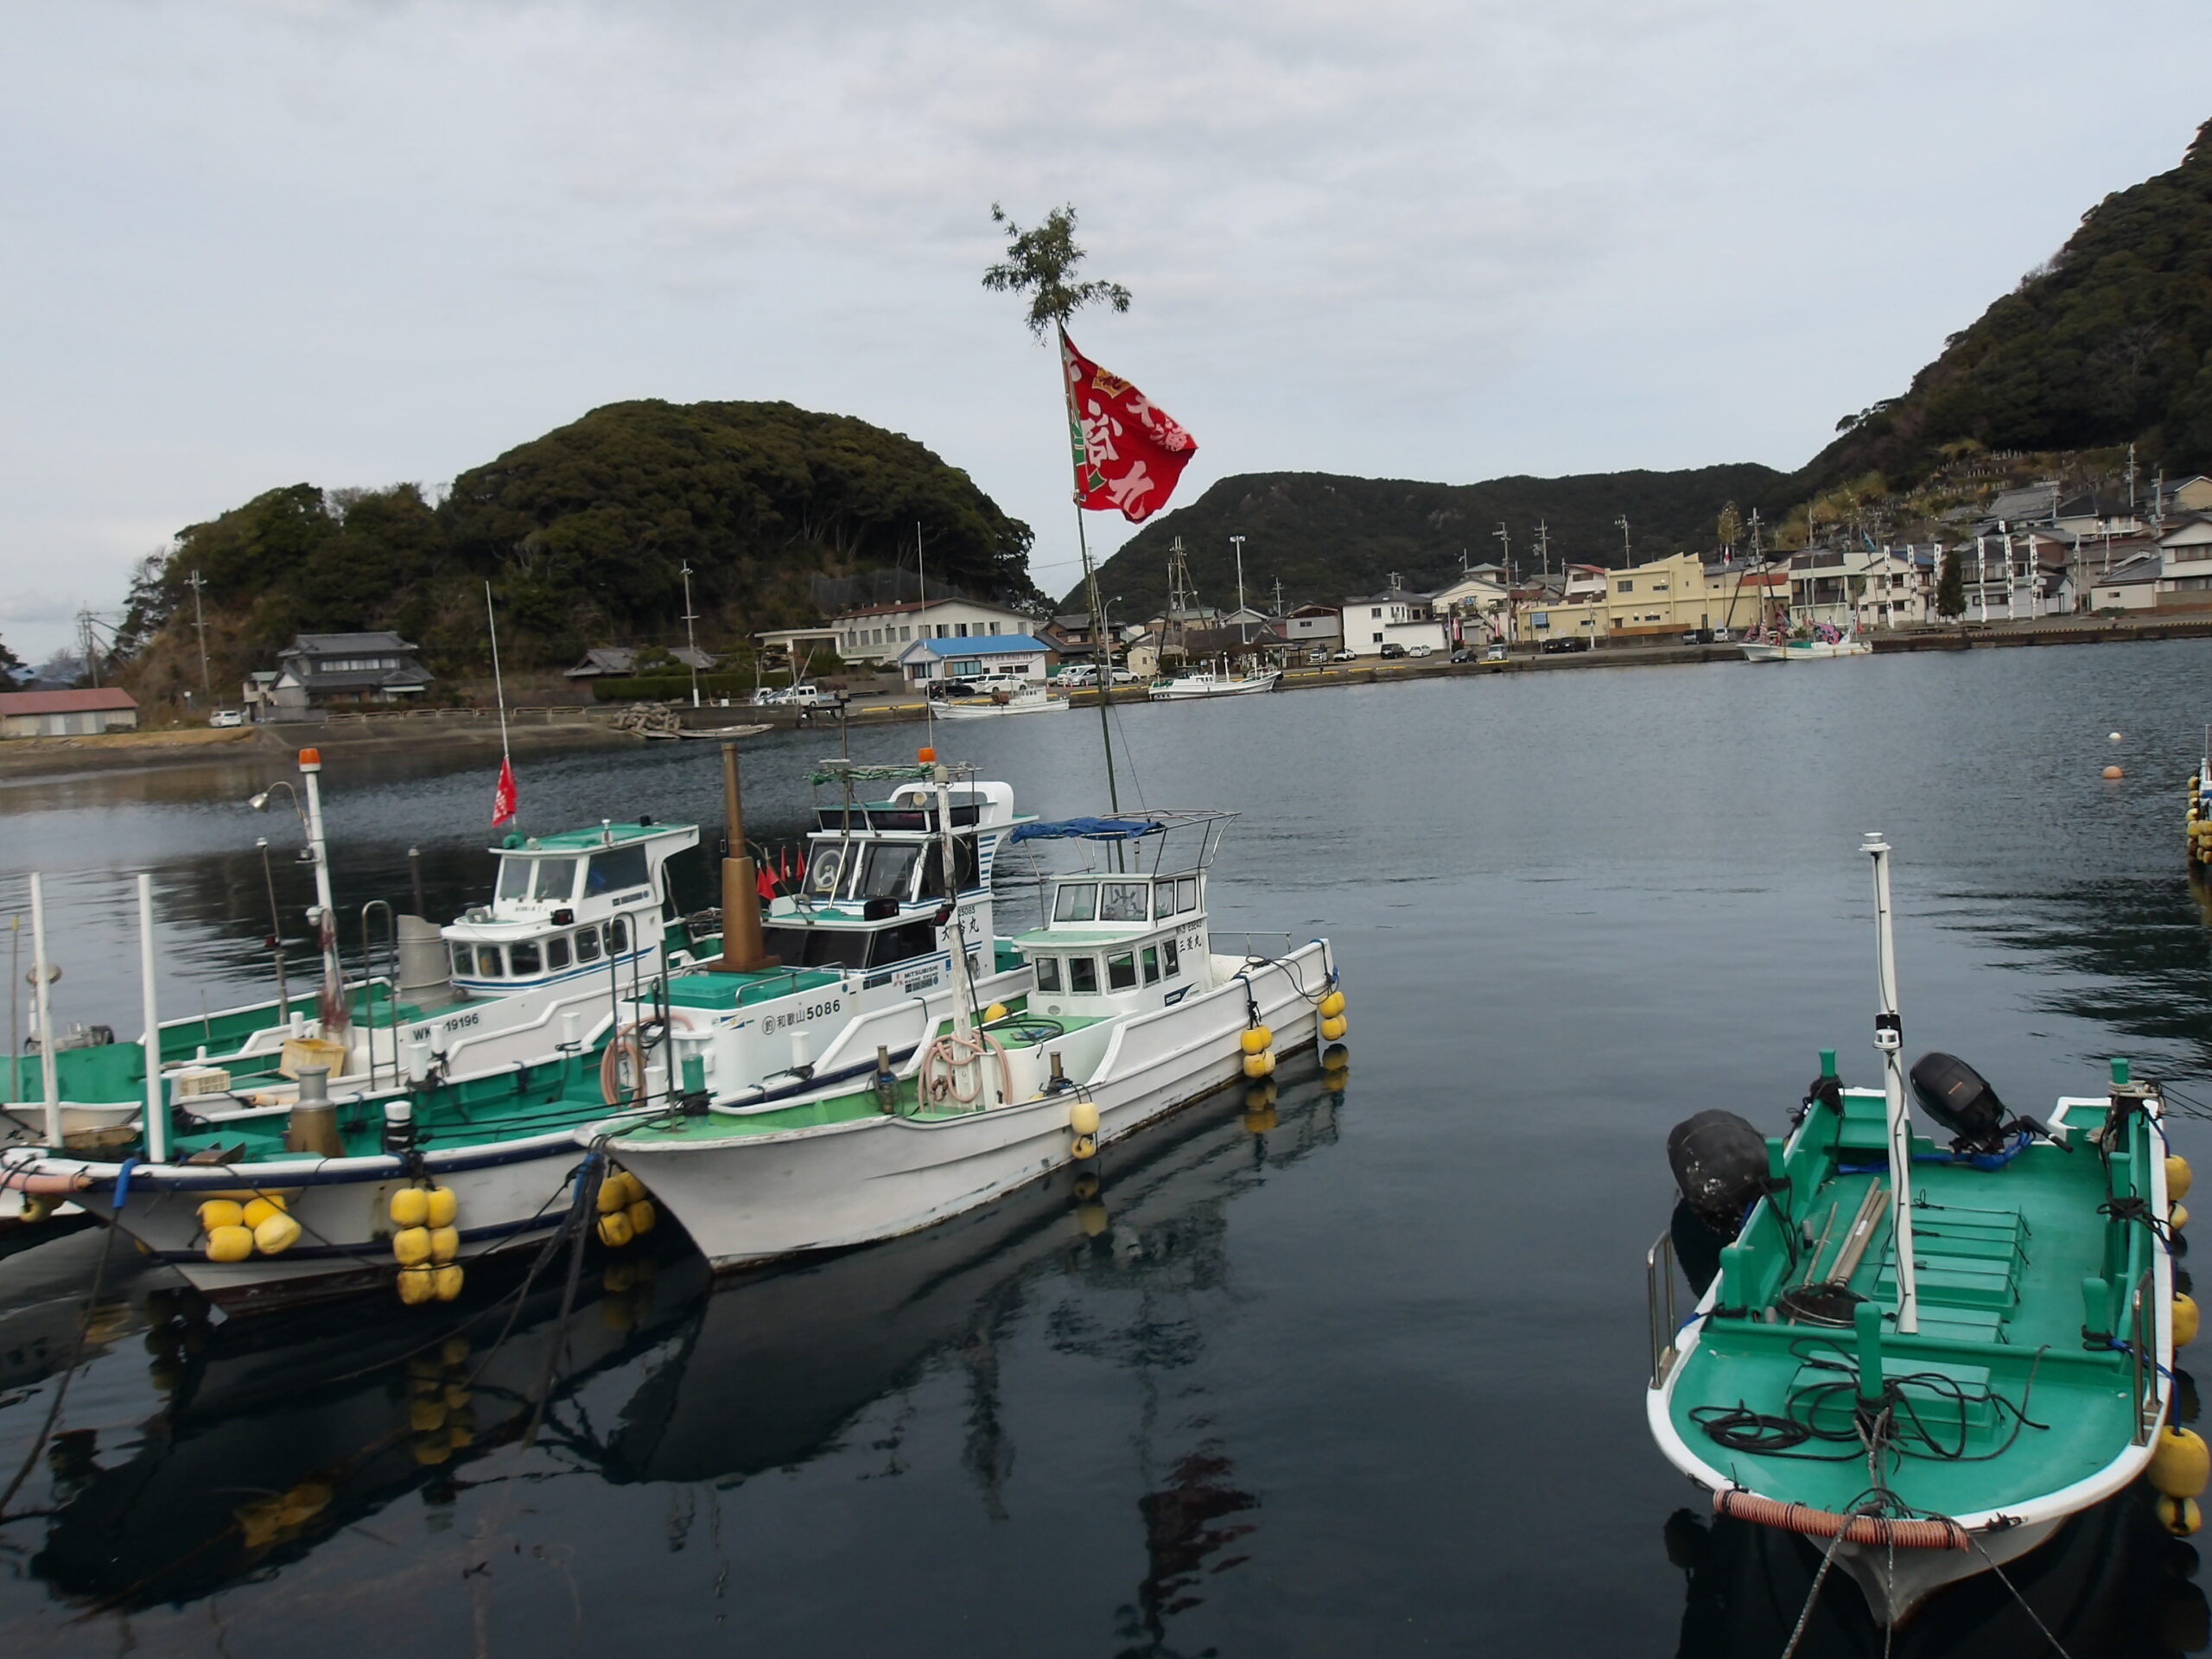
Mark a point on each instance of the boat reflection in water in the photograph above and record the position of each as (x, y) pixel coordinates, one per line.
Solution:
(280, 1432)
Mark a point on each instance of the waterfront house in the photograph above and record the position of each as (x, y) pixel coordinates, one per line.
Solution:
(2185, 562)
(1312, 627)
(1480, 604)
(879, 633)
(67, 714)
(1848, 589)
(969, 656)
(317, 669)
(2129, 584)
(1392, 617)
(620, 662)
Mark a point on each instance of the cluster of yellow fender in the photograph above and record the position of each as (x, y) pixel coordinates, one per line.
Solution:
(276, 1516)
(235, 1226)
(425, 1241)
(2199, 826)
(2180, 1464)
(440, 1416)
(1259, 1052)
(624, 1213)
(1331, 1010)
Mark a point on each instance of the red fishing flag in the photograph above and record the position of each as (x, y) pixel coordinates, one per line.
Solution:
(1128, 451)
(503, 797)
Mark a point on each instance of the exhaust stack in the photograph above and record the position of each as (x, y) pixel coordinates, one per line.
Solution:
(742, 950)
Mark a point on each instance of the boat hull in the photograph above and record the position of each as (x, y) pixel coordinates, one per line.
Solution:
(1185, 689)
(1805, 650)
(760, 1198)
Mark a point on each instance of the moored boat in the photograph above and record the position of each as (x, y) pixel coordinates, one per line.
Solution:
(1924, 1357)
(1030, 700)
(1134, 1014)
(1204, 683)
(1823, 642)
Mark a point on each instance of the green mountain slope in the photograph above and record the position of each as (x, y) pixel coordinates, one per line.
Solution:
(584, 534)
(2110, 342)
(1326, 536)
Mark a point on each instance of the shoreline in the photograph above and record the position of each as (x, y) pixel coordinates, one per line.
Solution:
(463, 732)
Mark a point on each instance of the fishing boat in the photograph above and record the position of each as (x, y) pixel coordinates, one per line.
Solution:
(878, 926)
(1207, 683)
(1923, 1357)
(1029, 700)
(1134, 1014)
(512, 981)
(1824, 641)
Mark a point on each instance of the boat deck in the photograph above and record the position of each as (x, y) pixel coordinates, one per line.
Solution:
(2007, 1399)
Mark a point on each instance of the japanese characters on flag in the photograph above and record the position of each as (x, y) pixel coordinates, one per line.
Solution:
(1128, 451)
(503, 797)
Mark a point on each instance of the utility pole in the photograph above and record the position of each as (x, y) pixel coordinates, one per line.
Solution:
(690, 639)
(89, 643)
(1505, 545)
(1278, 595)
(1628, 557)
(2131, 481)
(1544, 548)
(199, 624)
(1244, 629)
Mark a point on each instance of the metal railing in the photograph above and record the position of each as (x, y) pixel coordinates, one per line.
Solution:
(1659, 1298)
(2143, 1344)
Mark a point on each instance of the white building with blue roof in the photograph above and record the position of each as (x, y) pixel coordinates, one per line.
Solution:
(1018, 656)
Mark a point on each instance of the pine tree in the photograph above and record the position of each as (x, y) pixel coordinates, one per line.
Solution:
(1951, 587)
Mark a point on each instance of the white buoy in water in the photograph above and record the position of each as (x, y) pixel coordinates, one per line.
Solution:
(2114, 735)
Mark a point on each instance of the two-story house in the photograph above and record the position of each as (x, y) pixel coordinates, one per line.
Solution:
(1391, 617)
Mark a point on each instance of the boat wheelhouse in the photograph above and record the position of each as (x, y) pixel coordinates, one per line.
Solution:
(924, 1116)
(583, 902)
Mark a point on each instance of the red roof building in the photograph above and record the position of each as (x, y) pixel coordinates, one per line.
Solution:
(67, 713)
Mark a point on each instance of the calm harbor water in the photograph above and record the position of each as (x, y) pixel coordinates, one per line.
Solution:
(1367, 1379)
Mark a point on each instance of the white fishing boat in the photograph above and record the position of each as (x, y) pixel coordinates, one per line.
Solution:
(877, 929)
(512, 981)
(1029, 700)
(1206, 682)
(1822, 642)
(1134, 1013)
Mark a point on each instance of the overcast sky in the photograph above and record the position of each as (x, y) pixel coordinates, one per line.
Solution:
(247, 245)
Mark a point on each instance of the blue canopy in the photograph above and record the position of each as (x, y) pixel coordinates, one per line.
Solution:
(1088, 829)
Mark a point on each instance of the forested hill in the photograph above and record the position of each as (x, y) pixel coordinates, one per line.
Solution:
(584, 533)
(2109, 342)
(1326, 537)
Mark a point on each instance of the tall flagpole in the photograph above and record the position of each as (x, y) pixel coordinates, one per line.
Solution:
(1099, 652)
(499, 686)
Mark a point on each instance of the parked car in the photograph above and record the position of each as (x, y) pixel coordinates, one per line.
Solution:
(767, 696)
(227, 717)
(1565, 643)
(1392, 651)
(1420, 650)
(1495, 653)
(807, 696)
(1123, 676)
(1316, 656)
(1078, 674)
(1344, 655)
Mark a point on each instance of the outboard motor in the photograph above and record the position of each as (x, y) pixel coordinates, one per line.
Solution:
(1959, 1098)
(1719, 1165)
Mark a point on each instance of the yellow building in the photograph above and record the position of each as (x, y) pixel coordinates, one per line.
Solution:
(1674, 595)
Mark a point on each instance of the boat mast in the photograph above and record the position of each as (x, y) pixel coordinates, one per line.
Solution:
(1889, 1039)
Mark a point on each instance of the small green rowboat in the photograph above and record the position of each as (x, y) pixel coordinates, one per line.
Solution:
(1925, 1356)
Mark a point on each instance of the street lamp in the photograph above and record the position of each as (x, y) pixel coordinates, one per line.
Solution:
(690, 640)
(1243, 634)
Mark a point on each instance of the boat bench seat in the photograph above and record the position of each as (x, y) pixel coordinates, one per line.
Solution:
(1865, 1125)
(1928, 1384)
(1965, 1261)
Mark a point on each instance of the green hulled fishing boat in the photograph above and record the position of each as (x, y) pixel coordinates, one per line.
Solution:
(1925, 1353)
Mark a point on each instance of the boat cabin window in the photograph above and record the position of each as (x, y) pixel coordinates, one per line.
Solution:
(848, 947)
(889, 873)
(521, 956)
(822, 874)
(965, 872)
(618, 937)
(1082, 974)
(614, 870)
(556, 880)
(1048, 973)
(1186, 894)
(1152, 964)
(1121, 972)
(588, 945)
(902, 944)
(464, 961)
(514, 877)
(1076, 901)
(1173, 966)
(489, 964)
(1121, 901)
(1164, 899)
(557, 952)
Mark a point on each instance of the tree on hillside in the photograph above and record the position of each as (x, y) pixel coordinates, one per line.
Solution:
(11, 666)
(1730, 528)
(1951, 587)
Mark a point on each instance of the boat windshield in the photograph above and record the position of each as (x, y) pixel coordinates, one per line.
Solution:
(556, 879)
(514, 877)
(889, 872)
(1076, 901)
